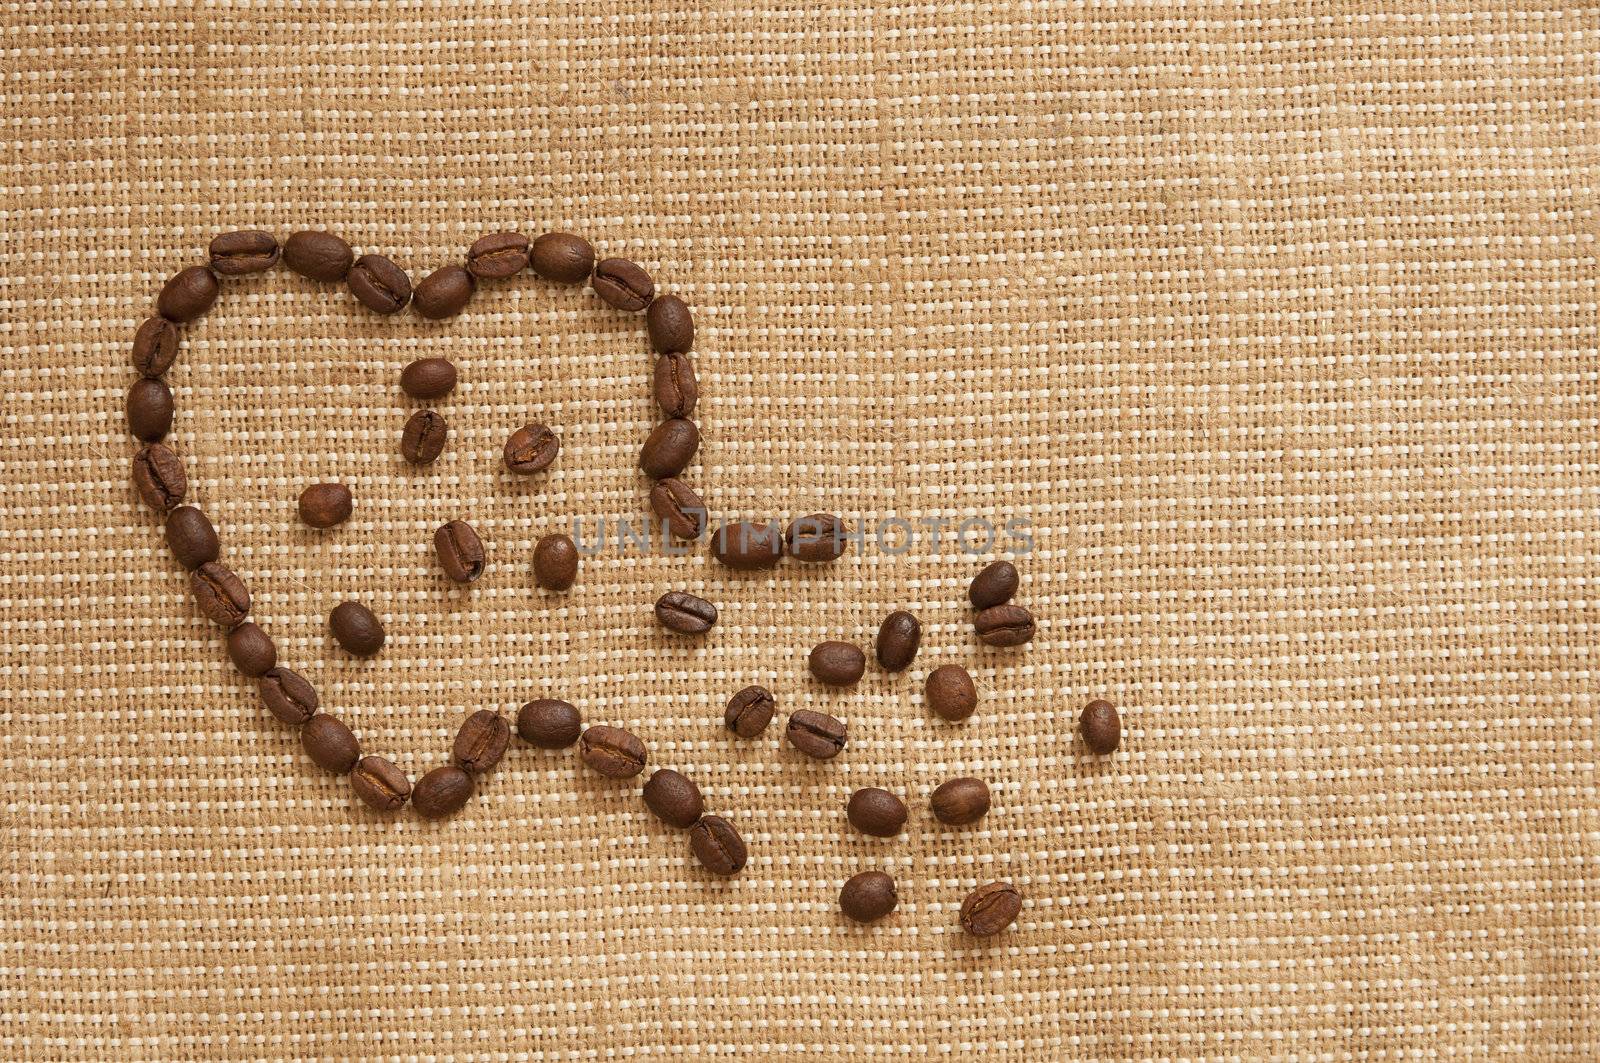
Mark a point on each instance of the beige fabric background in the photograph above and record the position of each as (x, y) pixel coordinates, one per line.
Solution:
(1277, 322)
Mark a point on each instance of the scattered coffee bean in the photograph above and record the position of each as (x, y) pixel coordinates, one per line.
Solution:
(191, 538)
(817, 537)
(330, 743)
(356, 628)
(149, 409)
(815, 734)
(497, 256)
(670, 325)
(1004, 625)
(442, 792)
(1101, 727)
(252, 650)
(460, 551)
(246, 251)
(380, 784)
(188, 294)
(380, 286)
(155, 346)
(158, 477)
(674, 799)
(318, 256)
(562, 257)
(898, 639)
(868, 897)
(990, 909)
(669, 448)
(680, 509)
(839, 664)
(555, 562)
(481, 742)
(443, 293)
(685, 613)
(222, 596)
(424, 438)
(993, 586)
(960, 801)
(622, 284)
(749, 711)
(950, 692)
(676, 390)
(549, 724)
(612, 752)
(325, 505)
(718, 846)
(876, 812)
(428, 378)
(531, 449)
(288, 696)
(747, 545)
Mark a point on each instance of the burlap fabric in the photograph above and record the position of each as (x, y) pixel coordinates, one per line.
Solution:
(1276, 323)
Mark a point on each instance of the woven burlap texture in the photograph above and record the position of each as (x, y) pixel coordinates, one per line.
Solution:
(1274, 324)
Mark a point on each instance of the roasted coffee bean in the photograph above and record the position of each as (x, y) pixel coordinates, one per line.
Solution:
(555, 562)
(868, 897)
(442, 792)
(356, 628)
(481, 742)
(669, 448)
(749, 711)
(549, 724)
(1101, 727)
(960, 801)
(379, 285)
(612, 752)
(188, 294)
(562, 257)
(674, 799)
(685, 613)
(670, 325)
(222, 596)
(380, 784)
(993, 586)
(950, 692)
(149, 409)
(443, 293)
(876, 812)
(680, 509)
(898, 639)
(245, 251)
(325, 505)
(330, 743)
(1004, 625)
(497, 256)
(424, 438)
(252, 650)
(155, 345)
(622, 284)
(675, 388)
(288, 696)
(748, 545)
(159, 478)
(428, 378)
(839, 664)
(191, 538)
(319, 256)
(990, 909)
(531, 449)
(460, 551)
(815, 734)
(817, 537)
(718, 846)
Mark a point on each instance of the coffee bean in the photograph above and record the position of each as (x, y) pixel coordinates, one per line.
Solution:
(460, 551)
(481, 742)
(159, 478)
(898, 639)
(428, 378)
(531, 449)
(1101, 727)
(356, 628)
(817, 537)
(950, 692)
(868, 897)
(246, 251)
(288, 696)
(749, 711)
(839, 664)
(222, 596)
(252, 650)
(674, 799)
(670, 325)
(1004, 625)
(379, 285)
(188, 294)
(424, 438)
(815, 734)
(960, 801)
(380, 784)
(718, 846)
(622, 284)
(497, 256)
(669, 448)
(555, 562)
(685, 613)
(149, 409)
(562, 257)
(675, 388)
(612, 752)
(993, 586)
(990, 909)
(330, 743)
(442, 792)
(549, 724)
(443, 293)
(876, 812)
(318, 256)
(325, 505)
(680, 509)
(155, 346)
(748, 545)
(191, 538)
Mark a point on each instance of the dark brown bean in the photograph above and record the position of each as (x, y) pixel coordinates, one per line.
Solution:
(442, 792)
(868, 897)
(481, 742)
(191, 538)
(428, 378)
(288, 696)
(685, 613)
(549, 724)
(380, 784)
(188, 294)
(675, 388)
(747, 546)
(815, 734)
(674, 799)
(749, 711)
(877, 812)
(155, 346)
(670, 325)
(497, 256)
(990, 909)
(379, 285)
(562, 257)
(960, 802)
(1004, 625)
(149, 409)
(622, 284)
(318, 256)
(1101, 727)
(221, 596)
(718, 846)
(330, 743)
(424, 438)
(443, 293)
(531, 449)
(898, 639)
(817, 537)
(555, 562)
(252, 650)
(993, 586)
(159, 478)
(839, 664)
(246, 251)
(460, 551)
(669, 448)
(325, 505)
(950, 692)
(356, 628)
(680, 509)
(613, 752)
